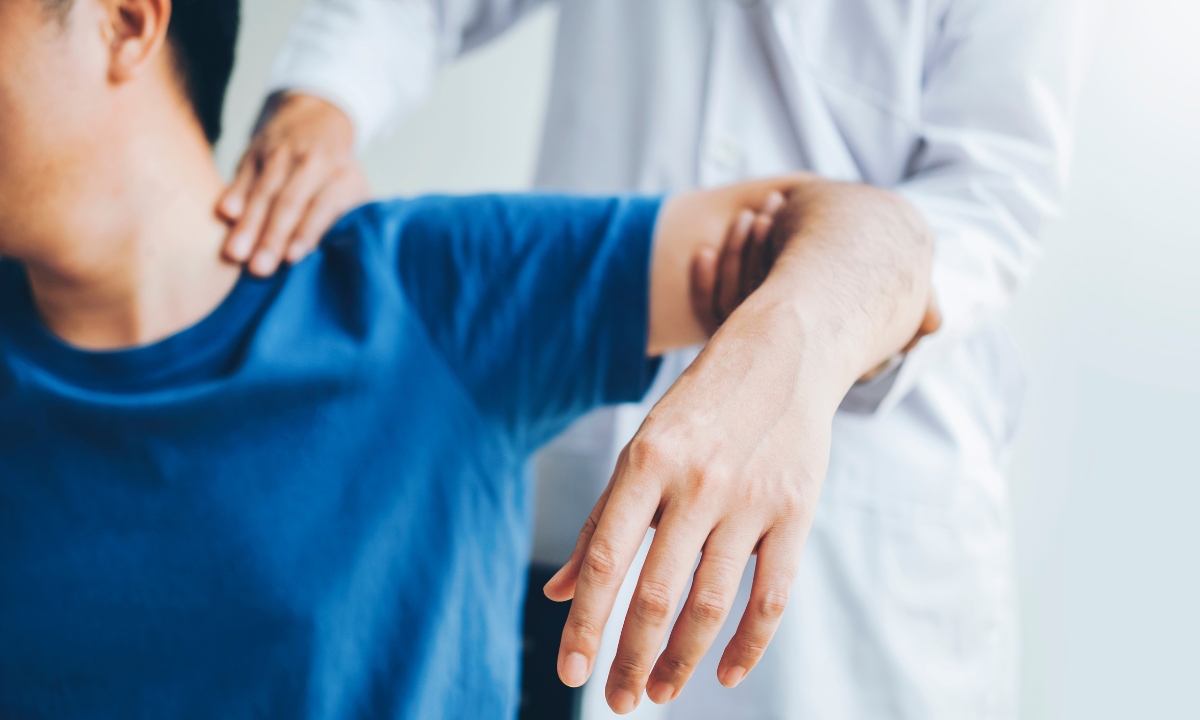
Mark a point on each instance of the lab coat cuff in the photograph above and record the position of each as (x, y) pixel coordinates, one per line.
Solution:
(368, 121)
(867, 396)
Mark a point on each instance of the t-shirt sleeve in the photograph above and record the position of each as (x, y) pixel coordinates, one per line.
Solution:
(539, 303)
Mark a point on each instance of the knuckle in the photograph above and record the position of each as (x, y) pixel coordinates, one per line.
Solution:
(648, 455)
(589, 526)
(629, 667)
(653, 601)
(600, 562)
(791, 502)
(709, 478)
(584, 627)
(750, 649)
(772, 604)
(709, 605)
(674, 666)
(274, 157)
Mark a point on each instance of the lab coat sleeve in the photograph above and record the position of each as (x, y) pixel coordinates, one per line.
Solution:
(1001, 82)
(376, 59)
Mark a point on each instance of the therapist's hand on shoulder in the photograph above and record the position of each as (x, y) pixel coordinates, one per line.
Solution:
(298, 176)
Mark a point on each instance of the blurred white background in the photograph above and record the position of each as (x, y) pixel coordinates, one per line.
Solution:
(1105, 478)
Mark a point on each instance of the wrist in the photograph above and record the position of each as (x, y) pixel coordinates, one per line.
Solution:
(804, 336)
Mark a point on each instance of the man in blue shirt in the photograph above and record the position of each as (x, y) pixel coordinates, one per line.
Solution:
(303, 496)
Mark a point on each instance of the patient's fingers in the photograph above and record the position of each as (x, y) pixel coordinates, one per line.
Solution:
(623, 523)
(714, 588)
(774, 574)
(677, 544)
(561, 587)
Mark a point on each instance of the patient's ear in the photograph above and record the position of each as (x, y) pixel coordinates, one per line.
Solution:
(136, 31)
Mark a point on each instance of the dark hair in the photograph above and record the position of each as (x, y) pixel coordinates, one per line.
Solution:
(202, 37)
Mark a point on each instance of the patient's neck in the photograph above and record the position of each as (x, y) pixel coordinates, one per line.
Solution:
(132, 254)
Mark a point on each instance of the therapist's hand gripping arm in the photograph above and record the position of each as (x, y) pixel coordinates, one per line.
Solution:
(731, 461)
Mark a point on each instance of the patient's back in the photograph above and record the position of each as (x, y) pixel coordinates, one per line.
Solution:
(312, 503)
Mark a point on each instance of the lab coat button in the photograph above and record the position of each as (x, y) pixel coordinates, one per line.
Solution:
(725, 153)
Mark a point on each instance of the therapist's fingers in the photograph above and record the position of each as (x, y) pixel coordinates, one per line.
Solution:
(629, 511)
(703, 288)
(313, 141)
(298, 193)
(729, 272)
(233, 201)
(677, 544)
(273, 175)
(240, 246)
(774, 575)
(346, 190)
(756, 258)
(714, 588)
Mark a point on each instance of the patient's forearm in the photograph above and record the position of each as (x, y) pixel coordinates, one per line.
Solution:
(852, 275)
(852, 260)
(732, 459)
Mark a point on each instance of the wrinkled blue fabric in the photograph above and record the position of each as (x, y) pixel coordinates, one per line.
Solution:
(311, 504)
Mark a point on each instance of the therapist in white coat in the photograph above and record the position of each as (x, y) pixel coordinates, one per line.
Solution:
(904, 606)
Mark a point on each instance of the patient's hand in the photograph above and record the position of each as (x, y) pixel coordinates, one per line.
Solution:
(731, 461)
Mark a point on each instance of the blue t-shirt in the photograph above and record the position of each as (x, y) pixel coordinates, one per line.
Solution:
(311, 504)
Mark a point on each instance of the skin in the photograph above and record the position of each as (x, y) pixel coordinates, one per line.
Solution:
(106, 195)
(731, 461)
(106, 181)
(296, 178)
(848, 289)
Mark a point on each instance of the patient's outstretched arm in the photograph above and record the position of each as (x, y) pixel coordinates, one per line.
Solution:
(732, 460)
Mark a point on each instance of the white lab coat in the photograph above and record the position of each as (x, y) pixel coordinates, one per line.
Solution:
(905, 605)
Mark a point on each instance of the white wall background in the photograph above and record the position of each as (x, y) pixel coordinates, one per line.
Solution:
(1105, 479)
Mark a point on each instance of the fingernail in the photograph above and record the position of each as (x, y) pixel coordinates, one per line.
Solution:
(745, 220)
(774, 202)
(621, 702)
(734, 676)
(232, 206)
(661, 693)
(574, 670)
(239, 247)
(264, 263)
